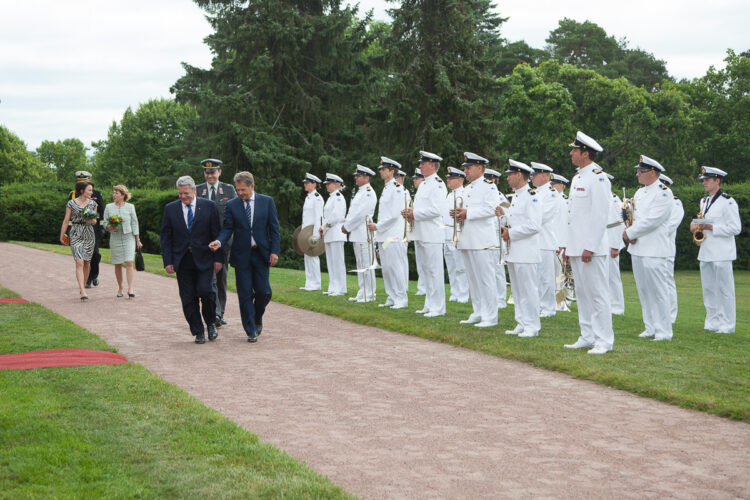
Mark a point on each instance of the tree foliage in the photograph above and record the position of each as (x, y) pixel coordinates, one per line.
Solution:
(17, 164)
(64, 157)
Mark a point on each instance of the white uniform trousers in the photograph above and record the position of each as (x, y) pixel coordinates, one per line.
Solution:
(392, 262)
(500, 282)
(366, 279)
(421, 288)
(616, 296)
(652, 282)
(546, 283)
(312, 273)
(672, 291)
(405, 266)
(482, 288)
(717, 280)
(336, 268)
(523, 286)
(454, 262)
(431, 255)
(592, 295)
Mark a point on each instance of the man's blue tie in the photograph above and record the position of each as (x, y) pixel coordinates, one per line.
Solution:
(190, 218)
(249, 213)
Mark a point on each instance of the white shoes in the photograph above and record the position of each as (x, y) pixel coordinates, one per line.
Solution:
(403, 306)
(518, 329)
(599, 350)
(326, 293)
(485, 324)
(724, 330)
(580, 344)
(419, 294)
(661, 339)
(472, 319)
(421, 311)
(527, 334)
(433, 314)
(646, 335)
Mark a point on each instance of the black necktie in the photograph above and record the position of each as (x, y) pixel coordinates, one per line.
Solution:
(249, 213)
(190, 217)
(213, 193)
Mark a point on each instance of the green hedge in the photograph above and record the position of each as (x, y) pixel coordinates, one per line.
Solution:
(34, 212)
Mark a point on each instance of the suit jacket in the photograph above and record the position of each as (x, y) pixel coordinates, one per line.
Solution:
(265, 230)
(176, 239)
(129, 218)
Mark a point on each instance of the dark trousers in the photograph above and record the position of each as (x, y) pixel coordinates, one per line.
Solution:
(253, 290)
(96, 257)
(220, 283)
(195, 284)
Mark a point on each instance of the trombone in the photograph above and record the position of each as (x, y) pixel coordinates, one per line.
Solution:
(458, 227)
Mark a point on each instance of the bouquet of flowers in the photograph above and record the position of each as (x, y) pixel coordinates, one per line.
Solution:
(114, 221)
(89, 214)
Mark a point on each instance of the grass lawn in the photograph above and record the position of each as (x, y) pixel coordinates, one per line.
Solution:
(697, 369)
(118, 431)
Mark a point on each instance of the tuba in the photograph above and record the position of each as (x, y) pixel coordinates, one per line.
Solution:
(628, 209)
(699, 235)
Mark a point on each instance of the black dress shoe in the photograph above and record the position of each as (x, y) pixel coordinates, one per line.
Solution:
(95, 282)
(258, 328)
(212, 333)
(200, 338)
(252, 338)
(88, 284)
(223, 321)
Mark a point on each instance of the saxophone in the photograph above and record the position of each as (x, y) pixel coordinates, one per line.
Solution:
(699, 235)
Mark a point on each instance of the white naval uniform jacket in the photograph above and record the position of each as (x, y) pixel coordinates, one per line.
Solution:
(334, 213)
(480, 199)
(428, 211)
(724, 214)
(614, 233)
(525, 224)
(588, 211)
(653, 206)
(312, 211)
(561, 220)
(362, 205)
(390, 221)
(549, 199)
(447, 219)
(675, 218)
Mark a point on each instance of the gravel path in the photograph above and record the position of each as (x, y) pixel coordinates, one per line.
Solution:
(386, 415)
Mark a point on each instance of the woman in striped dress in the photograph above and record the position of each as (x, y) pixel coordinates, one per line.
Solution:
(123, 238)
(82, 237)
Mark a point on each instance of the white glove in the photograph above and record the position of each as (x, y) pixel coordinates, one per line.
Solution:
(315, 239)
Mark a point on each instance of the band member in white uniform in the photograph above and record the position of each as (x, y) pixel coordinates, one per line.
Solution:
(502, 285)
(389, 234)
(522, 237)
(548, 245)
(401, 178)
(454, 261)
(477, 239)
(417, 179)
(427, 214)
(587, 246)
(334, 213)
(361, 207)
(717, 252)
(678, 213)
(558, 183)
(615, 227)
(648, 245)
(312, 214)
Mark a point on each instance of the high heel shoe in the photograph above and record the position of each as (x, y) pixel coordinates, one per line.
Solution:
(119, 294)
(131, 295)
(84, 297)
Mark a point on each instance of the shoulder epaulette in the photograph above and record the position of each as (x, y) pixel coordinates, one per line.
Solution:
(338, 193)
(676, 198)
(614, 195)
(597, 170)
(565, 196)
(725, 195)
(551, 188)
(439, 179)
(317, 194)
(369, 188)
(663, 187)
(488, 181)
(532, 192)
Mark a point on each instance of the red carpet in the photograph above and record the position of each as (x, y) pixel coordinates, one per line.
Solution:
(12, 300)
(59, 357)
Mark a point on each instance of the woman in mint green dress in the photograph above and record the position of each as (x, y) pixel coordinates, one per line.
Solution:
(124, 238)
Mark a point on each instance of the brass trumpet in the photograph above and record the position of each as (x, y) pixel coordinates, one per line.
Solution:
(408, 226)
(458, 203)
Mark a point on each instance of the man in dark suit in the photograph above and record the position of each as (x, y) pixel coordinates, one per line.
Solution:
(251, 218)
(187, 227)
(220, 193)
(96, 257)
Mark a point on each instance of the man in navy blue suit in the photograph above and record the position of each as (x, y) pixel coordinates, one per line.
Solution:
(251, 218)
(188, 226)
